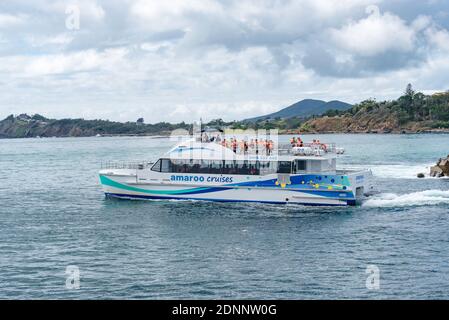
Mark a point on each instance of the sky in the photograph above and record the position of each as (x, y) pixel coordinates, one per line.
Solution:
(181, 60)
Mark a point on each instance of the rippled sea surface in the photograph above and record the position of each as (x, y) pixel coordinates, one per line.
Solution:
(53, 214)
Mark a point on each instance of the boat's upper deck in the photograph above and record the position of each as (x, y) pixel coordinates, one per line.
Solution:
(238, 150)
(218, 157)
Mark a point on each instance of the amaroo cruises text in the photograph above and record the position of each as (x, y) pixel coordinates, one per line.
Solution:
(201, 179)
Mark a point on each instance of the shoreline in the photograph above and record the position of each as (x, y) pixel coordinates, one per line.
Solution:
(445, 131)
(160, 135)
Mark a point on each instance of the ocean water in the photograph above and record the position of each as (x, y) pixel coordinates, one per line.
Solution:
(53, 215)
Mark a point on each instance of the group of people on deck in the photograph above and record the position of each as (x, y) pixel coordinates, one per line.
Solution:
(241, 146)
(251, 146)
(296, 142)
(212, 138)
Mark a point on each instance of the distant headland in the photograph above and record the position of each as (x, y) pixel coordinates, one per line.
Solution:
(413, 112)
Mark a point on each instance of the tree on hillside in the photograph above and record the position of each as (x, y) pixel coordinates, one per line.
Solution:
(409, 92)
(405, 102)
(217, 122)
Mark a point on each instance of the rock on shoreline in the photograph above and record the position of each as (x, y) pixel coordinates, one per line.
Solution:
(441, 169)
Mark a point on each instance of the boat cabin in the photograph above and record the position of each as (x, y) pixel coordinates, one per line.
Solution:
(245, 167)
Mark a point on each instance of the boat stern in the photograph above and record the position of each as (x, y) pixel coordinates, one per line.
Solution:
(361, 182)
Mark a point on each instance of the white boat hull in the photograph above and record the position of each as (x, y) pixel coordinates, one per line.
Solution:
(127, 186)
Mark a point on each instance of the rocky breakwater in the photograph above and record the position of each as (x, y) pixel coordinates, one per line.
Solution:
(441, 169)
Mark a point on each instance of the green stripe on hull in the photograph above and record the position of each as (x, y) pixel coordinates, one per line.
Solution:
(111, 183)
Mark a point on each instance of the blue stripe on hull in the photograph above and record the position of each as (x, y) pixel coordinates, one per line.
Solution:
(206, 189)
(128, 196)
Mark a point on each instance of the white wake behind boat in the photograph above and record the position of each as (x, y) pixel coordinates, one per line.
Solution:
(213, 171)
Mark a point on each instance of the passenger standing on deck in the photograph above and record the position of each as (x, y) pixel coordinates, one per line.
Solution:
(293, 142)
(270, 147)
(245, 147)
(234, 145)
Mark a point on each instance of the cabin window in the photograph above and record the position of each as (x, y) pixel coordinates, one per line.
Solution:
(266, 167)
(157, 166)
(254, 167)
(178, 166)
(215, 167)
(329, 165)
(166, 165)
(204, 167)
(226, 167)
(299, 165)
(243, 167)
(209, 166)
(284, 167)
(316, 166)
(194, 166)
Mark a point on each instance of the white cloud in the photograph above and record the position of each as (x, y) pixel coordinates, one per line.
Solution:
(376, 34)
(421, 23)
(37, 66)
(89, 9)
(181, 60)
(10, 20)
(61, 39)
(153, 9)
(92, 9)
(439, 38)
(163, 15)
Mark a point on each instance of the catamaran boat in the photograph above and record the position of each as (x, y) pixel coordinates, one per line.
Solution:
(212, 170)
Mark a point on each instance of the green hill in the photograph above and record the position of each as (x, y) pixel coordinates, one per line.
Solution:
(303, 109)
(412, 112)
(23, 126)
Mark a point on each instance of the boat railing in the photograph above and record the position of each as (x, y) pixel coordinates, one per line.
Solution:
(350, 170)
(126, 164)
(289, 149)
(282, 149)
